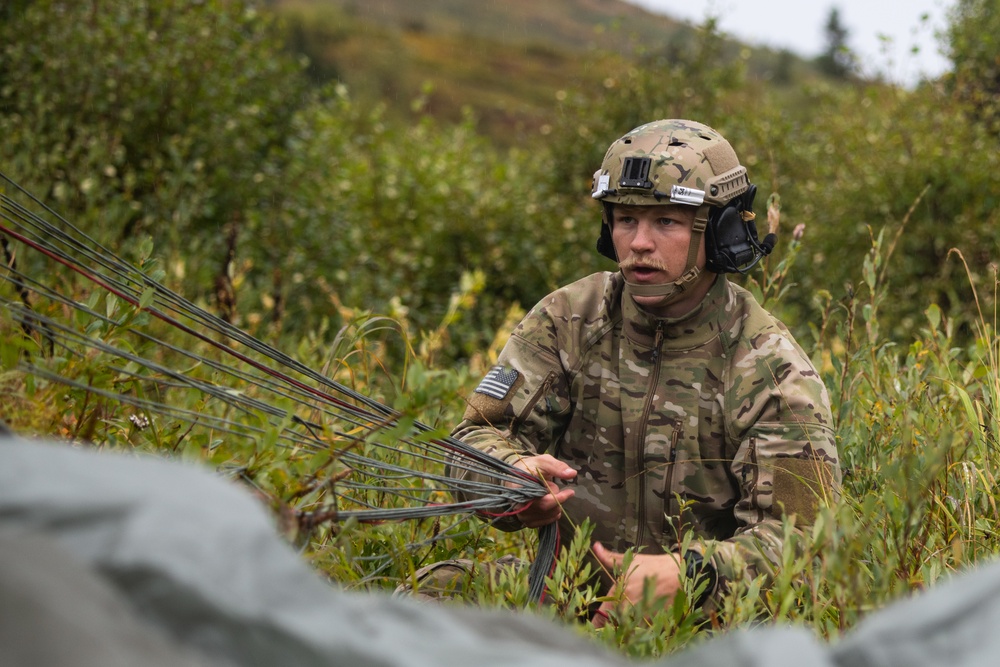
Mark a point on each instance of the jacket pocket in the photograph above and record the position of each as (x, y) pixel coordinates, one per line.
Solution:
(525, 413)
(750, 478)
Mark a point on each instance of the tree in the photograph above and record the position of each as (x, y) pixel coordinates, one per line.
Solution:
(837, 59)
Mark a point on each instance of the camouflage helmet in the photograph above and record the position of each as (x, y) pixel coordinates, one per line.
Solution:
(687, 163)
(670, 161)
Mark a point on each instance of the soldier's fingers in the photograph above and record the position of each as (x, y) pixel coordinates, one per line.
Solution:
(564, 495)
(606, 557)
(601, 616)
(550, 466)
(554, 500)
(553, 467)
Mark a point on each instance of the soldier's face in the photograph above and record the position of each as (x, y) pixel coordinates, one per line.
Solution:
(652, 245)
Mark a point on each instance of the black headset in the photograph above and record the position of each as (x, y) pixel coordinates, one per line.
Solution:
(731, 244)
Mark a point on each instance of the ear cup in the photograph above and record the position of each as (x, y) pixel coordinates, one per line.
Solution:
(725, 240)
(605, 245)
(730, 241)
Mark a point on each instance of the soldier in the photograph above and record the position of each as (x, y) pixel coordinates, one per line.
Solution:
(661, 399)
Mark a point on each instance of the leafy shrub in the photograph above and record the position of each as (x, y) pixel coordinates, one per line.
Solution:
(147, 118)
(345, 216)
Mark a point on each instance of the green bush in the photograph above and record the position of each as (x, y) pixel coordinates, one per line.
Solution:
(395, 218)
(908, 163)
(150, 118)
(345, 216)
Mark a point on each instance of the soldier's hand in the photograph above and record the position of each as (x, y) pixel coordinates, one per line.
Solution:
(663, 569)
(543, 511)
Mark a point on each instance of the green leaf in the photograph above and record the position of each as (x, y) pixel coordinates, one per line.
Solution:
(933, 313)
(147, 297)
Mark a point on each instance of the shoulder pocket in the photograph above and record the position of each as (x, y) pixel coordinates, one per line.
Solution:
(525, 413)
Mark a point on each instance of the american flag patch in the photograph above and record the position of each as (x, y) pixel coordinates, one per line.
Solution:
(497, 382)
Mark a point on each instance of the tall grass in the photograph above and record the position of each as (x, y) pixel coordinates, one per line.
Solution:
(916, 425)
(918, 434)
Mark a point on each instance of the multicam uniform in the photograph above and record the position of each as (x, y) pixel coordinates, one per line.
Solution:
(714, 422)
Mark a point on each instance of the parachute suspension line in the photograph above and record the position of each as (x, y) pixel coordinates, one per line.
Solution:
(383, 466)
(545, 561)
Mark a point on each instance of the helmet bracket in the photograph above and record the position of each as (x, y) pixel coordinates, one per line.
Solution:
(635, 173)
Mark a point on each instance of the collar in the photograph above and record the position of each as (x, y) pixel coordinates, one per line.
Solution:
(688, 331)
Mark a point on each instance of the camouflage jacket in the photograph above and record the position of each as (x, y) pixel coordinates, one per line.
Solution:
(715, 422)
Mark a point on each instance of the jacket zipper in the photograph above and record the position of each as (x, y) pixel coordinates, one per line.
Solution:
(641, 442)
(670, 527)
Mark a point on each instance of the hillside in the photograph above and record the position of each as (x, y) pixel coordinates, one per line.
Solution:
(504, 61)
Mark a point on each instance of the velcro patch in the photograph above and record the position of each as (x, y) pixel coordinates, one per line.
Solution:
(488, 403)
(498, 382)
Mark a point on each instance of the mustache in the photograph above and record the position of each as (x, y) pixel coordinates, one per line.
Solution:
(634, 262)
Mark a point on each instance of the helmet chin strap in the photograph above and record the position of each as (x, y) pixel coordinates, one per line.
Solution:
(673, 292)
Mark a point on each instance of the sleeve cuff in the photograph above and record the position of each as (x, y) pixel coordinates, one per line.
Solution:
(703, 573)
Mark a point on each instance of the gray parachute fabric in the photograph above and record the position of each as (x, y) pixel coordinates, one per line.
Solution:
(111, 559)
(56, 611)
(197, 565)
(954, 624)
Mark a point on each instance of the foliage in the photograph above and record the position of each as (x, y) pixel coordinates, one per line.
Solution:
(973, 44)
(300, 210)
(147, 118)
(686, 78)
(837, 60)
(504, 60)
(903, 163)
(404, 219)
(394, 250)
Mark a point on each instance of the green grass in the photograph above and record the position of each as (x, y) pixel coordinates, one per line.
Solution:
(916, 426)
(372, 216)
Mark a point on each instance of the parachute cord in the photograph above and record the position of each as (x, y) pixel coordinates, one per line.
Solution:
(545, 561)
